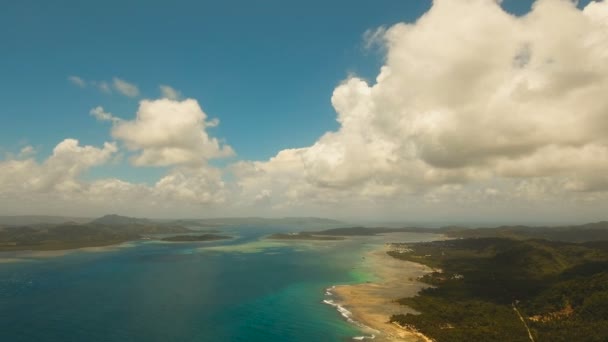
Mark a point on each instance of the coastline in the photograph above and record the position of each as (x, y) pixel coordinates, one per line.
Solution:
(370, 305)
(26, 255)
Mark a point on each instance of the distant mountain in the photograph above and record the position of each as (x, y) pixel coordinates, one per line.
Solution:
(117, 220)
(24, 220)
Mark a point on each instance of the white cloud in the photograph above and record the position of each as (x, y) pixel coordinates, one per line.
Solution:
(462, 104)
(475, 110)
(56, 185)
(373, 37)
(125, 88)
(122, 86)
(60, 172)
(77, 81)
(100, 114)
(167, 132)
(170, 93)
(201, 185)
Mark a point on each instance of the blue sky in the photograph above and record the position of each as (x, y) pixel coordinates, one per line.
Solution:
(271, 65)
(265, 69)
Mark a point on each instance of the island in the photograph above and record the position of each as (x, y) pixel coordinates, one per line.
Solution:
(508, 283)
(195, 238)
(597, 231)
(105, 231)
(520, 288)
(369, 231)
(303, 236)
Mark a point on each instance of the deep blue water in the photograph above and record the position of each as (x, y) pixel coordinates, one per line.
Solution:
(178, 292)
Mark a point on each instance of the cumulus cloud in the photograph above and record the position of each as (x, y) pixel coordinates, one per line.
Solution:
(59, 172)
(125, 88)
(170, 93)
(474, 109)
(469, 96)
(57, 185)
(167, 132)
(201, 185)
(191, 187)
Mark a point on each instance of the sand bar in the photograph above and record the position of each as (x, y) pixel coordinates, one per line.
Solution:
(372, 304)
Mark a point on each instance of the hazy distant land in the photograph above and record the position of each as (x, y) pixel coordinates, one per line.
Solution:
(61, 233)
(573, 233)
(104, 231)
(303, 236)
(194, 238)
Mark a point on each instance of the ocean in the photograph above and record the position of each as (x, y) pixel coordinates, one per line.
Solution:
(245, 289)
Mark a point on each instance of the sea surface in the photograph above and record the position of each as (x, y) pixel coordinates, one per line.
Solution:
(245, 289)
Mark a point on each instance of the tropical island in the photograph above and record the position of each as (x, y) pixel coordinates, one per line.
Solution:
(508, 284)
(103, 231)
(194, 238)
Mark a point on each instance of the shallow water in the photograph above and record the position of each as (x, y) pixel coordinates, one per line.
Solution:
(244, 289)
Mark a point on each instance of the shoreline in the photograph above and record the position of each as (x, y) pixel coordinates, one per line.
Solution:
(27, 255)
(370, 305)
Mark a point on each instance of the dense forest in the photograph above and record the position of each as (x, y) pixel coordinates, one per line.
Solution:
(510, 289)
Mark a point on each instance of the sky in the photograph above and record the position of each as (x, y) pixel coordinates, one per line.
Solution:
(392, 110)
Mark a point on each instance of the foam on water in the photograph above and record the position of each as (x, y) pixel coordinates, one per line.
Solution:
(348, 315)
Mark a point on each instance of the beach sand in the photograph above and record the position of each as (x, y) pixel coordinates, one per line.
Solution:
(373, 303)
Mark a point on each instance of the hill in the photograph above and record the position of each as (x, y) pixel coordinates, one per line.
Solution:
(560, 290)
(117, 220)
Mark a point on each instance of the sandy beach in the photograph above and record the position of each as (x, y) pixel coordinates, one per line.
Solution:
(372, 304)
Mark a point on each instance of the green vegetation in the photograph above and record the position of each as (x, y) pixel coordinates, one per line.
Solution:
(560, 289)
(194, 238)
(364, 231)
(581, 233)
(71, 235)
(303, 236)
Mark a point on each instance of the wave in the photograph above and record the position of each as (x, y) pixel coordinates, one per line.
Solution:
(348, 316)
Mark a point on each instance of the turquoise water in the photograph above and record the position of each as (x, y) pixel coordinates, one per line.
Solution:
(241, 290)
